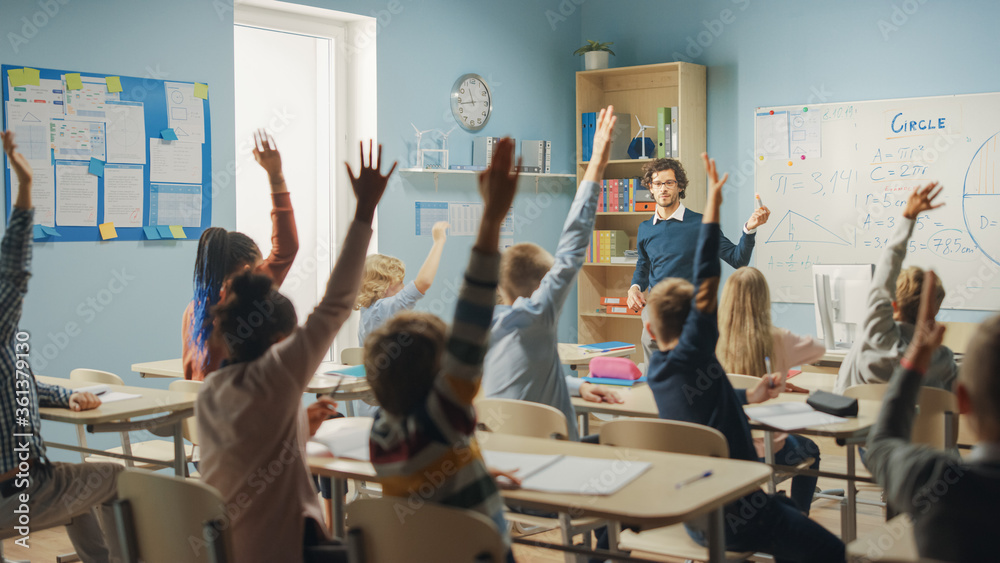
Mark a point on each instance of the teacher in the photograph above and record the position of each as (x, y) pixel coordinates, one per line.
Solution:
(666, 241)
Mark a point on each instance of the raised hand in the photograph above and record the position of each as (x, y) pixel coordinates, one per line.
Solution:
(369, 184)
(21, 168)
(928, 335)
(498, 183)
(602, 145)
(439, 232)
(265, 152)
(922, 199)
(758, 218)
(714, 190)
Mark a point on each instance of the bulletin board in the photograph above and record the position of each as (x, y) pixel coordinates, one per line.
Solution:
(108, 151)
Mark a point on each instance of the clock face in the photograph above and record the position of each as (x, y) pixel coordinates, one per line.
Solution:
(471, 102)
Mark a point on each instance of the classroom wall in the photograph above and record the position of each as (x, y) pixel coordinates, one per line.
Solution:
(789, 52)
(109, 305)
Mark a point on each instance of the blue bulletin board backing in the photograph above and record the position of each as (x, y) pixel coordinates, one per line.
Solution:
(153, 95)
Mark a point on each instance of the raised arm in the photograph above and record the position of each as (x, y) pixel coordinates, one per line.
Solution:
(577, 231)
(15, 250)
(468, 337)
(425, 277)
(284, 234)
(300, 354)
(737, 255)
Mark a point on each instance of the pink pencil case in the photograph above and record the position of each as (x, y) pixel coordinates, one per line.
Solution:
(614, 368)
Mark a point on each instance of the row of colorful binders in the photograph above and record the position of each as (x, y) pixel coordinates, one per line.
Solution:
(624, 195)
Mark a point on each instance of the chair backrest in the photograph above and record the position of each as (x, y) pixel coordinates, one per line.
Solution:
(521, 418)
(934, 406)
(95, 376)
(389, 533)
(189, 428)
(352, 356)
(665, 436)
(740, 381)
(169, 518)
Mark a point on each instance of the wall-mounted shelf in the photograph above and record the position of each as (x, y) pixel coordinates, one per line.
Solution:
(524, 175)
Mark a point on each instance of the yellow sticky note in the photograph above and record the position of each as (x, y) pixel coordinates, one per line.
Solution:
(108, 231)
(73, 81)
(16, 77)
(177, 231)
(114, 84)
(30, 76)
(201, 90)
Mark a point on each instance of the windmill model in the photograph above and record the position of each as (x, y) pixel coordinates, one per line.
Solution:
(442, 162)
(641, 147)
(420, 151)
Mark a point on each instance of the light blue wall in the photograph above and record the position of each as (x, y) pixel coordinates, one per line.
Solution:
(789, 51)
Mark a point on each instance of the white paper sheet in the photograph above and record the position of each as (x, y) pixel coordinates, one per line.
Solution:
(30, 123)
(174, 162)
(77, 140)
(185, 112)
(772, 134)
(123, 194)
(804, 134)
(175, 204)
(47, 96)
(522, 465)
(568, 474)
(105, 394)
(76, 195)
(126, 133)
(464, 218)
(90, 102)
(427, 213)
(43, 193)
(345, 437)
(791, 416)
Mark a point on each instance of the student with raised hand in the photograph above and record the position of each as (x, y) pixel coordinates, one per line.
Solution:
(423, 439)
(746, 339)
(684, 325)
(523, 359)
(222, 254)
(52, 491)
(952, 500)
(248, 413)
(892, 310)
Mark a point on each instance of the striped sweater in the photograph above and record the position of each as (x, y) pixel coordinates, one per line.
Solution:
(431, 454)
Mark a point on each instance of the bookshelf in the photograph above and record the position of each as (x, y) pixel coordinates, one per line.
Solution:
(640, 91)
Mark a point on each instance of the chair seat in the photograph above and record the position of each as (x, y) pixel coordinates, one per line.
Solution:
(152, 449)
(670, 541)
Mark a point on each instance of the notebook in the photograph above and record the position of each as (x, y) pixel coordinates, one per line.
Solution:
(567, 474)
(105, 394)
(791, 416)
(613, 381)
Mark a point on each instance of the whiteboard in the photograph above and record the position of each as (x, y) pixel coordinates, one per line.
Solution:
(836, 178)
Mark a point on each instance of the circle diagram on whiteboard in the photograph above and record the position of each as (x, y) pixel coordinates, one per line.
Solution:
(981, 198)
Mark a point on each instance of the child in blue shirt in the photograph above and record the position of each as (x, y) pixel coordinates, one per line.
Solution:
(689, 384)
(523, 359)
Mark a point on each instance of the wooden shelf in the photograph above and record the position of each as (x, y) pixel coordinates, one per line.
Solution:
(620, 161)
(606, 264)
(443, 171)
(624, 213)
(610, 316)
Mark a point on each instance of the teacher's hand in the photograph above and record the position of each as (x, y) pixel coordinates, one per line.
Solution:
(636, 300)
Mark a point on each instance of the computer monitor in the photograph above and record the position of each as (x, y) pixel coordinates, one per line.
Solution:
(840, 294)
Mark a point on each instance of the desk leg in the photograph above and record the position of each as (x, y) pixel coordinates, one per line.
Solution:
(849, 525)
(339, 514)
(81, 437)
(716, 536)
(180, 460)
(584, 419)
(127, 449)
(350, 408)
(769, 459)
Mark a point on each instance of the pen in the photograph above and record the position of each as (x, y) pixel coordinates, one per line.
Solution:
(767, 366)
(758, 202)
(694, 479)
(334, 391)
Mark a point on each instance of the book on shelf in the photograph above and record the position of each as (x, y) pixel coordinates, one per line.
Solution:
(624, 259)
(612, 346)
(620, 194)
(606, 244)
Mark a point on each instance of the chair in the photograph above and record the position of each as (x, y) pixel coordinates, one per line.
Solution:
(352, 356)
(534, 420)
(437, 533)
(936, 422)
(362, 489)
(150, 449)
(189, 428)
(194, 511)
(666, 436)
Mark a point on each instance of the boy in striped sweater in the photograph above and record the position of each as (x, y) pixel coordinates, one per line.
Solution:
(422, 442)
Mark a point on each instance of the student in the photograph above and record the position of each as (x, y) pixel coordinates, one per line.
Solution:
(683, 321)
(51, 491)
(251, 429)
(746, 338)
(892, 310)
(952, 501)
(222, 254)
(523, 359)
(425, 376)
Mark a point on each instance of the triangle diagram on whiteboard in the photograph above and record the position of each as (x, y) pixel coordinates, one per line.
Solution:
(794, 227)
(30, 118)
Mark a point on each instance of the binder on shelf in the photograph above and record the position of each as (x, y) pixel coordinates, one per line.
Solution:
(645, 206)
(529, 169)
(532, 156)
(547, 167)
(612, 301)
(466, 167)
(482, 150)
(674, 125)
(621, 310)
(663, 132)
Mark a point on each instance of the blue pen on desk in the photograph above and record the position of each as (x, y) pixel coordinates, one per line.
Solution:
(767, 366)
(694, 479)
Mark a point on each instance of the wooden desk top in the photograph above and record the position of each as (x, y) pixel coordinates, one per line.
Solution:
(320, 383)
(153, 401)
(573, 355)
(650, 501)
(160, 368)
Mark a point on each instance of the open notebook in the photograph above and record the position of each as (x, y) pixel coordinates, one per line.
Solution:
(791, 416)
(105, 394)
(343, 437)
(567, 474)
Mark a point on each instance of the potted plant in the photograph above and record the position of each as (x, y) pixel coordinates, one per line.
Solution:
(595, 55)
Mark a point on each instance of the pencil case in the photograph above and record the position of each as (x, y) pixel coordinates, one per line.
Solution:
(614, 368)
(834, 404)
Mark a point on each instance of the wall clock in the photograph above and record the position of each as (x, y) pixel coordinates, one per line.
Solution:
(471, 102)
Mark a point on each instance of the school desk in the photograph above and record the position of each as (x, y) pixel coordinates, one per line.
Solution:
(160, 369)
(650, 501)
(573, 356)
(172, 407)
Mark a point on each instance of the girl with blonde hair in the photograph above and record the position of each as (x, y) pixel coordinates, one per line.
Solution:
(746, 337)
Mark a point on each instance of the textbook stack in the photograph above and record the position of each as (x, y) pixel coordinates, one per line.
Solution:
(624, 195)
(605, 245)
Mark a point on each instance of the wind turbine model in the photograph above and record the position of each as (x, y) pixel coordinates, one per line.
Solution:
(640, 150)
(420, 152)
(443, 151)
